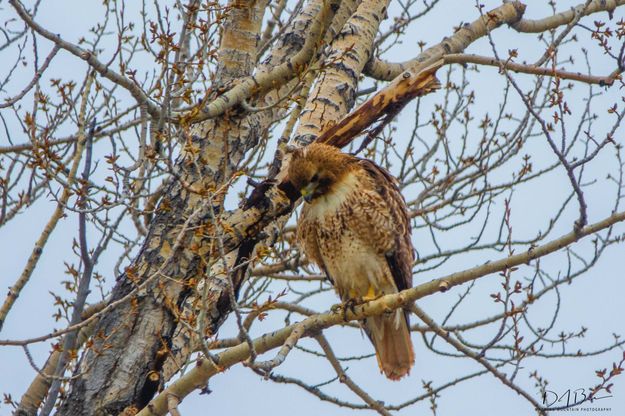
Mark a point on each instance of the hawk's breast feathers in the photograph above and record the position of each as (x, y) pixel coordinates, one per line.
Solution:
(364, 205)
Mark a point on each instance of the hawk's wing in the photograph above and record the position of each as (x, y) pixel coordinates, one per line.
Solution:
(399, 259)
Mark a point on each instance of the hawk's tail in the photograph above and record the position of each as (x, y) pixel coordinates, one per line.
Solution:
(393, 348)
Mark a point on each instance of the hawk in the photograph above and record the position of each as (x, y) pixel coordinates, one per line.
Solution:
(355, 227)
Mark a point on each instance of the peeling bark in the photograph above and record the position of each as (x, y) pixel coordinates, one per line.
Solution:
(334, 93)
(123, 370)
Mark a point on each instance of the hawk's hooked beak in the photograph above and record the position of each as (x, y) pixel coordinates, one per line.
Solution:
(308, 191)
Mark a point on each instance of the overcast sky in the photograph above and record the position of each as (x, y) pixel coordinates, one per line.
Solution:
(595, 301)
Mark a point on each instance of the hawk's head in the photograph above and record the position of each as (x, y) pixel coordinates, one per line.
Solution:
(317, 168)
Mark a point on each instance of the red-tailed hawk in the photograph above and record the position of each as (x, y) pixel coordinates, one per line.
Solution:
(355, 227)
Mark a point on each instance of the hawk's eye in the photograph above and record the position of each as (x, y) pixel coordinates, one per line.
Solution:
(315, 177)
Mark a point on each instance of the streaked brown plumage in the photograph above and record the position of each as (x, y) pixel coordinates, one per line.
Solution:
(356, 228)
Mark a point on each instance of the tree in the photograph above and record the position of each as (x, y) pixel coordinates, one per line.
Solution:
(178, 103)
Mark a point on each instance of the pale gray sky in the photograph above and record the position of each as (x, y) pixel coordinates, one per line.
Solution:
(594, 301)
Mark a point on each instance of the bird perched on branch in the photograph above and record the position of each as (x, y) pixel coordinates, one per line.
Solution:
(355, 227)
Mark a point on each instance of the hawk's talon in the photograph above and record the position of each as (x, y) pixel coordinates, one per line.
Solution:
(348, 305)
(351, 305)
(336, 308)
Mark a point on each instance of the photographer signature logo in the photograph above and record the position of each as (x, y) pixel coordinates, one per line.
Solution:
(575, 400)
